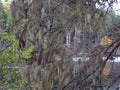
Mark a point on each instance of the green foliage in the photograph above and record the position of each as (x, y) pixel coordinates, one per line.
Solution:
(10, 53)
(27, 52)
(7, 36)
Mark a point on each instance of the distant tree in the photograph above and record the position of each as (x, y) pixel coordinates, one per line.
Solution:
(2, 16)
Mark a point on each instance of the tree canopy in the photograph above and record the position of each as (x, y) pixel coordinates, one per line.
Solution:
(33, 39)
